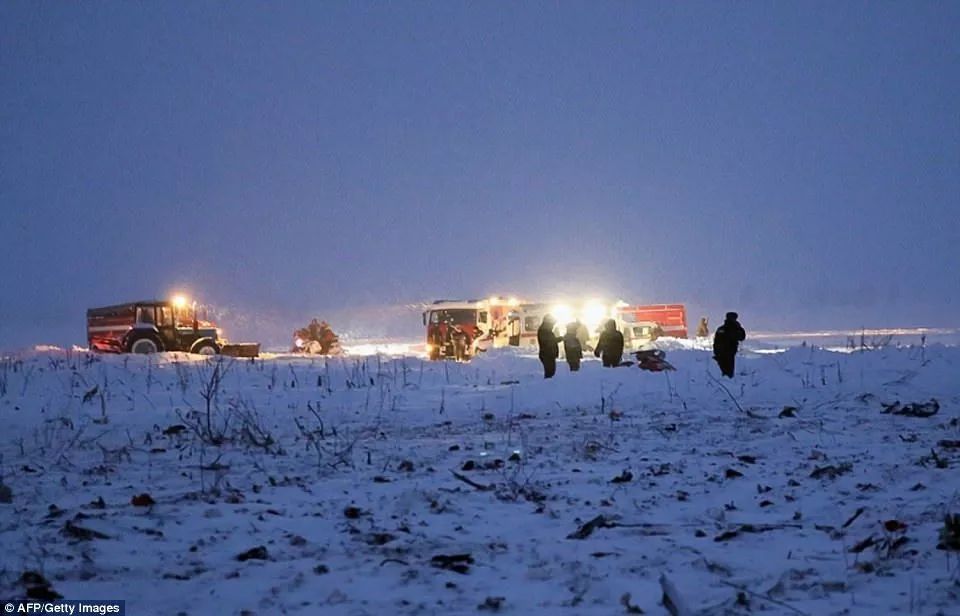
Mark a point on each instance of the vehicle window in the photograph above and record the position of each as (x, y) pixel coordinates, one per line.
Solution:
(482, 317)
(183, 318)
(455, 316)
(531, 323)
(145, 315)
(165, 316)
(434, 317)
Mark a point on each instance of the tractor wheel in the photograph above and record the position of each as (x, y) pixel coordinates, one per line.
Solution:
(143, 345)
(205, 347)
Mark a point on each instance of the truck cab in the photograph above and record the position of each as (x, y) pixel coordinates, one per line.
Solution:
(442, 317)
(642, 325)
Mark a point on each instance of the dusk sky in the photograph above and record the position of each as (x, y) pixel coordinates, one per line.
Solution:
(797, 162)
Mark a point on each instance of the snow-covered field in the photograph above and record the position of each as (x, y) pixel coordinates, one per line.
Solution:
(381, 485)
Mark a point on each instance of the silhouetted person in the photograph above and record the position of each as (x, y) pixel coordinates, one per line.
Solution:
(656, 332)
(726, 342)
(549, 346)
(459, 339)
(583, 335)
(572, 349)
(610, 346)
(703, 329)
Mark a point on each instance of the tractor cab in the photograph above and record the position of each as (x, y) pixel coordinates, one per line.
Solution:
(176, 326)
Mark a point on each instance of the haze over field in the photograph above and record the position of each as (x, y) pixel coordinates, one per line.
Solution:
(797, 163)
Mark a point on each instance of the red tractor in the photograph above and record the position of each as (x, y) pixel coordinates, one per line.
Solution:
(156, 326)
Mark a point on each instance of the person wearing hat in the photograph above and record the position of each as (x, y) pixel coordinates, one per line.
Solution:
(726, 342)
(572, 349)
(610, 345)
(549, 344)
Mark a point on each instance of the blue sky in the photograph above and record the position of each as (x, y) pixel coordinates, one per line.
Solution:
(798, 162)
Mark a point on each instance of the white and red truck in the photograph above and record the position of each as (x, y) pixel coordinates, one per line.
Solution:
(498, 322)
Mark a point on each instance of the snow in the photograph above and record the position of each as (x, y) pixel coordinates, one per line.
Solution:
(715, 489)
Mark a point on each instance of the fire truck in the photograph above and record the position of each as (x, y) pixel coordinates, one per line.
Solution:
(443, 317)
(641, 325)
(154, 326)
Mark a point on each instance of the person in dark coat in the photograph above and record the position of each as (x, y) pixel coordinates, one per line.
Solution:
(572, 348)
(460, 342)
(549, 346)
(583, 335)
(726, 342)
(610, 346)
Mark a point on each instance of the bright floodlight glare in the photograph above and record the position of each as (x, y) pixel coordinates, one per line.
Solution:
(513, 301)
(562, 313)
(593, 315)
(180, 301)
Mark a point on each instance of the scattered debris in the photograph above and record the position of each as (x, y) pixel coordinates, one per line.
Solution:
(624, 477)
(671, 598)
(913, 409)
(379, 538)
(653, 360)
(629, 607)
(143, 500)
(80, 533)
(752, 528)
(174, 430)
(863, 545)
(894, 526)
(935, 459)
(788, 411)
(742, 600)
(257, 553)
(587, 529)
(830, 471)
(458, 563)
(6, 494)
(472, 483)
(852, 518)
(950, 533)
(38, 587)
(352, 513)
(491, 604)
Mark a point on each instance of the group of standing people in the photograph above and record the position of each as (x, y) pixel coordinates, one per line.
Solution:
(609, 347)
(726, 343)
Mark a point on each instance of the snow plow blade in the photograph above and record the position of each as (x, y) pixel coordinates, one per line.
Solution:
(241, 349)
